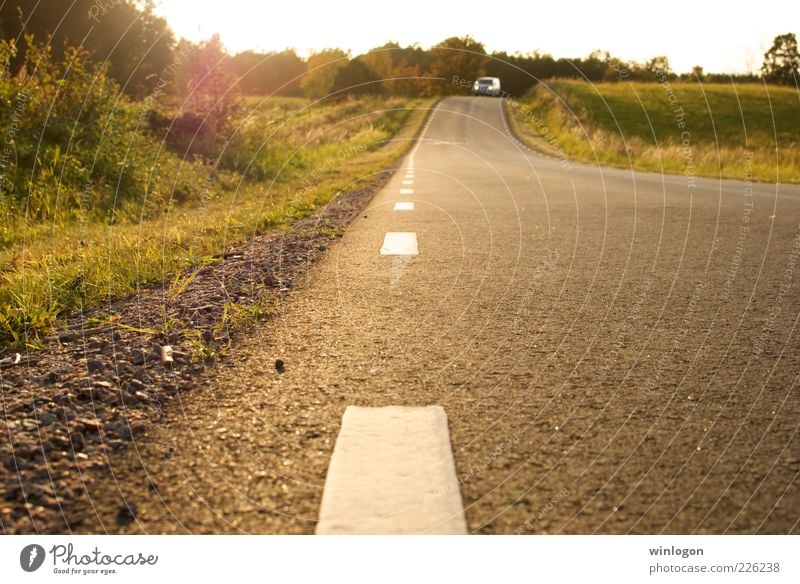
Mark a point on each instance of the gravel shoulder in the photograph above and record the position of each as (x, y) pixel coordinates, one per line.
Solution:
(101, 387)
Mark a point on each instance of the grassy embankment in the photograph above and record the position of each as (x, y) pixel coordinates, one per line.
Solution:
(287, 158)
(730, 131)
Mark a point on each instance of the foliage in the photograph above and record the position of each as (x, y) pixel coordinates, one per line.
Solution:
(126, 35)
(267, 73)
(782, 61)
(459, 57)
(208, 98)
(322, 68)
(355, 78)
(76, 149)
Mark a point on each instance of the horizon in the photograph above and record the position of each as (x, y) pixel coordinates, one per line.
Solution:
(734, 46)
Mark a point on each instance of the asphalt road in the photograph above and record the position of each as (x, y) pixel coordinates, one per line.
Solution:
(614, 352)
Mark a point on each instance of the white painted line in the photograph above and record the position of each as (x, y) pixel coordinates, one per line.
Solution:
(392, 472)
(410, 176)
(400, 243)
(404, 206)
(406, 191)
(408, 182)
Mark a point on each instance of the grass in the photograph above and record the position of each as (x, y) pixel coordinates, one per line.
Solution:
(302, 155)
(734, 131)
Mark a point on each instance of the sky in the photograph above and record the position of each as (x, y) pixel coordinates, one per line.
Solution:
(722, 37)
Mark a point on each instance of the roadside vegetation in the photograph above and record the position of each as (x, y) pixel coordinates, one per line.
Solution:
(731, 130)
(115, 196)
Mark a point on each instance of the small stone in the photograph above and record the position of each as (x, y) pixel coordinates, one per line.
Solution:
(152, 486)
(77, 442)
(95, 366)
(47, 418)
(137, 357)
(127, 513)
(116, 336)
(68, 337)
(141, 375)
(134, 385)
(49, 379)
(88, 424)
(123, 368)
(279, 366)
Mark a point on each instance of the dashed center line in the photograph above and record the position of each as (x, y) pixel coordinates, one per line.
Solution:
(406, 191)
(392, 472)
(402, 243)
(404, 206)
(408, 182)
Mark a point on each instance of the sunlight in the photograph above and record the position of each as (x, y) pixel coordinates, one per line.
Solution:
(736, 43)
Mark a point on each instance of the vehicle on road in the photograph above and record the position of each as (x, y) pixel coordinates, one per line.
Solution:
(486, 86)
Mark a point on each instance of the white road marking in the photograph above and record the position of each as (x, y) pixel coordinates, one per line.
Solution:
(400, 243)
(408, 182)
(406, 191)
(404, 206)
(392, 472)
(410, 176)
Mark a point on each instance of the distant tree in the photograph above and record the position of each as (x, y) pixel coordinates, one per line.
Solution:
(136, 45)
(461, 57)
(658, 67)
(594, 66)
(382, 60)
(408, 80)
(514, 79)
(208, 95)
(321, 71)
(782, 61)
(698, 73)
(356, 78)
(267, 73)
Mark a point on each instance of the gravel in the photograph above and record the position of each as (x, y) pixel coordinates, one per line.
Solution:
(72, 407)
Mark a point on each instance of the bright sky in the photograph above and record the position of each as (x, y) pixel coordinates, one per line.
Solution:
(729, 37)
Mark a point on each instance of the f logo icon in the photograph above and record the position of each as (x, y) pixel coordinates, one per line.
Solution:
(31, 557)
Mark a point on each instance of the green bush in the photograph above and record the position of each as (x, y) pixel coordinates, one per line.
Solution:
(73, 147)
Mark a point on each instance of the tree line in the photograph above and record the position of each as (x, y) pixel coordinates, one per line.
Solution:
(139, 51)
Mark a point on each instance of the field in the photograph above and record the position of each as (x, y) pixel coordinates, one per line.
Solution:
(286, 158)
(716, 130)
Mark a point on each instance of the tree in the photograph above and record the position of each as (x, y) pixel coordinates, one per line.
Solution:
(509, 68)
(267, 73)
(382, 60)
(126, 35)
(457, 57)
(321, 70)
(355, 78)
(782, 61)
(408, 80)
(208, 94)
(658, 68)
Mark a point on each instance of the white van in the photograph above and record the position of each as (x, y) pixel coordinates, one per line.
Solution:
(486, 86)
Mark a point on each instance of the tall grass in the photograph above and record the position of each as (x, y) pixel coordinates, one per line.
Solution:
(729, 130)
(99, 199)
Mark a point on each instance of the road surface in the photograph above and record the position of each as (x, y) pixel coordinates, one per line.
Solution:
(615, 352)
